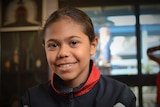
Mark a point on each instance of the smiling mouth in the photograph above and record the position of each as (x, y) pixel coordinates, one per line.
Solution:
(66, 65)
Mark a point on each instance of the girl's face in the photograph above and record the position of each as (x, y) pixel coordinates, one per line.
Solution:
(68, 51)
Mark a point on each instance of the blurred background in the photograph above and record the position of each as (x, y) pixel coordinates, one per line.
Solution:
(126, 30)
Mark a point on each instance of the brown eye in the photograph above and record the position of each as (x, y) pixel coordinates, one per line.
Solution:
(74, 43)
(52, 46)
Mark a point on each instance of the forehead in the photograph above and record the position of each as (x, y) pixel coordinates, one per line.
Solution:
(64, 28)
(65, 24)
(71, 20)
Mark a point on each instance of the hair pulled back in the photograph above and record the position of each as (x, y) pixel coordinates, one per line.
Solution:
(75, 14)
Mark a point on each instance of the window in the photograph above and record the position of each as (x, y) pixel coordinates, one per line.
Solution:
(115, 27)
(150, 33)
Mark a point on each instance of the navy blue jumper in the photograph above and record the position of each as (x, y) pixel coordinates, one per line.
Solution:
(97, 91)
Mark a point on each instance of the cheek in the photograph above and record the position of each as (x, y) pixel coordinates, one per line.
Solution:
(50, 58)
(83, 53)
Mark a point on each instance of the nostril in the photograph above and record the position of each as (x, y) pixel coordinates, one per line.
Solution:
(62, 55)
(63, 51)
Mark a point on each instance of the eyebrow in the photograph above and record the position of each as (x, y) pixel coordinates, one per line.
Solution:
(68, 38)
(73, 37)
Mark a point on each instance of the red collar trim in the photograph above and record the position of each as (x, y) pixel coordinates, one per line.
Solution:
(92, 80)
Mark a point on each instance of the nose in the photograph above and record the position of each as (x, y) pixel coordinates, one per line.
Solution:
(63, 52)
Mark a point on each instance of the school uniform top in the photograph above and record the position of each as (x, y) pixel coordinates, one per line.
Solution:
(97, 91)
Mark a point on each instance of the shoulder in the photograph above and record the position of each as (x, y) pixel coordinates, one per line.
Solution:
(39, 90)
(116, 90)
(114, 85)
(34, 93)
(40, 86)
(110, 82)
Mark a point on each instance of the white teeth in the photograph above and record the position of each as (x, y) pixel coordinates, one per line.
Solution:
(65, 66)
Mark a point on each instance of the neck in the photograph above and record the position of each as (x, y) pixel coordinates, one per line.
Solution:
(76, 82)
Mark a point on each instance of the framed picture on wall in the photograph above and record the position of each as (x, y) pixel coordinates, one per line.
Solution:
(21, 13)
(22, 51)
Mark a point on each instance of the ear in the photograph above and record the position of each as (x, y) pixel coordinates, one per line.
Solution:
(94, 46)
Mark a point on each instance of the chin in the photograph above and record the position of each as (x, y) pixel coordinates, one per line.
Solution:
(67, 78)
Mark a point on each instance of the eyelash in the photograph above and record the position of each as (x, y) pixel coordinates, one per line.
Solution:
(74, 43)
(53, 46)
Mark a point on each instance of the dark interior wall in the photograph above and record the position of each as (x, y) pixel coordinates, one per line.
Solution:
(84, 3)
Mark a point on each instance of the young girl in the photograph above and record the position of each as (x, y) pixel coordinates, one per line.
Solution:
(69, 42)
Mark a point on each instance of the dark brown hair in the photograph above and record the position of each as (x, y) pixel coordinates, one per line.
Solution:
(76, 15)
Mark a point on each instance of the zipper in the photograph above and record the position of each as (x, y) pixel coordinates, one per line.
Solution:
(71, 96)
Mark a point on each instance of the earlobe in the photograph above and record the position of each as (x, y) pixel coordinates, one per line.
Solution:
(94, 46)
